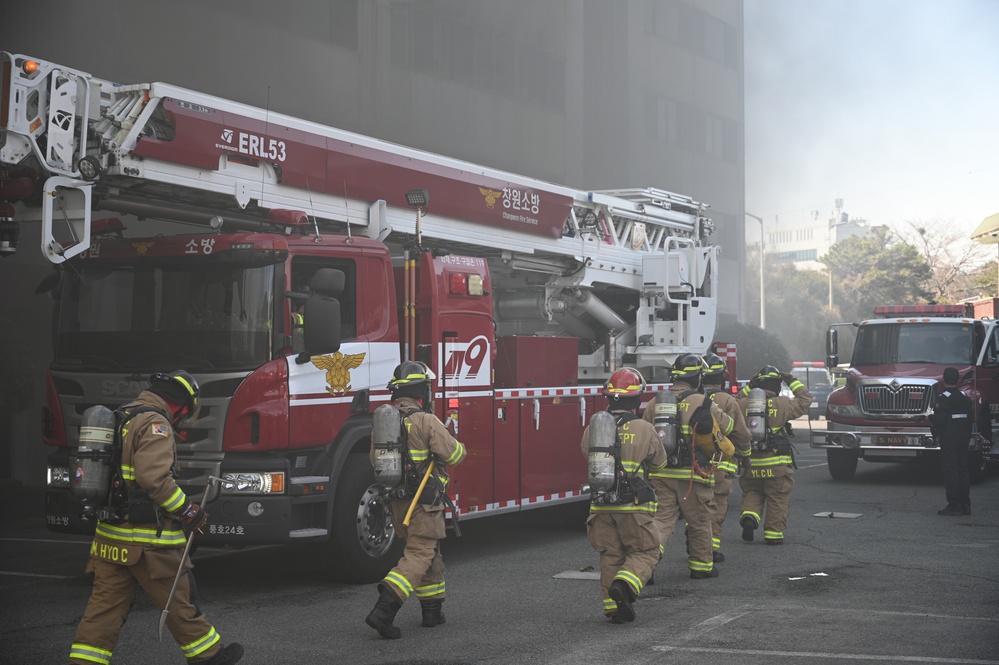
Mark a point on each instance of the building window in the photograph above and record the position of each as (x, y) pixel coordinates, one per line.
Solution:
(708, 36)
(343, 23)
(661, 118)
(425, 41)
(797, 255)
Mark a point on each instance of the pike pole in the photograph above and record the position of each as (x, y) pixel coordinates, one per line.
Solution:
(212, 481)
(419, 491)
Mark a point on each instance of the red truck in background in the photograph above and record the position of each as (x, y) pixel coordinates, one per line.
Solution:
(522, 295)
(894, 375)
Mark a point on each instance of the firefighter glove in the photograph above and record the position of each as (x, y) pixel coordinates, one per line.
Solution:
(703, 422)
(787, 378)
(192, 518)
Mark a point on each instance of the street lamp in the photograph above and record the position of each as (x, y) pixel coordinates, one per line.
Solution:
(763, 311)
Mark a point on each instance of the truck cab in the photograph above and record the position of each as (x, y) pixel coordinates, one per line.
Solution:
(881, 412)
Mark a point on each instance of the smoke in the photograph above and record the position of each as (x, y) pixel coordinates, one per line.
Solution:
(884, 104)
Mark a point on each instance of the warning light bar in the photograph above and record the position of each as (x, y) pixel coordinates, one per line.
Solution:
(920, 310)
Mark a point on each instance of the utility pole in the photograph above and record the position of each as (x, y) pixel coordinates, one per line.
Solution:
(763, 307)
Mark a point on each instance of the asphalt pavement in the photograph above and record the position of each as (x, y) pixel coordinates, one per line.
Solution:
(869, 573)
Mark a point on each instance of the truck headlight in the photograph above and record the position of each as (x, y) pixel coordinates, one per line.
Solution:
(57, 476)
(253, 483)
(849, 410)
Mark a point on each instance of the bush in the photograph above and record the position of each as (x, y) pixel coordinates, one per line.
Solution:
(755, 348)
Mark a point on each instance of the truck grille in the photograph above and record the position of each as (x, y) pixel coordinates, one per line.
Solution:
(895, 398)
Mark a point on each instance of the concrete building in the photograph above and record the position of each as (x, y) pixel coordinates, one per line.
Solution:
(805, 244)
(587, 93)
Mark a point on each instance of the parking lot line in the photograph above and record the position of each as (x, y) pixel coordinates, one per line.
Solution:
(837, 656)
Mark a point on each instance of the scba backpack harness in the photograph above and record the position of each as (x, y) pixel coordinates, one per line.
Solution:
(98, 480)
(405, 484)
(627, 488)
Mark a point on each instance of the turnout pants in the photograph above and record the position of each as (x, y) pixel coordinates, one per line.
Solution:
(421, 568)
(112, 598)
(695, 502)
(722, 491)
(628, 546)
(768, 489)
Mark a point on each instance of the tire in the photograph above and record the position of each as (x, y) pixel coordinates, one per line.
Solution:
(362, 546)
(977, 467)
(842, 463)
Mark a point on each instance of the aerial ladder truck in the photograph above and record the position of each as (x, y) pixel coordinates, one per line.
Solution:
(523, 296)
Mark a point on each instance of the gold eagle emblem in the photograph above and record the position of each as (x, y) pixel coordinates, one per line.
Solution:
(338, 368)
(142, 247)
(491, 196)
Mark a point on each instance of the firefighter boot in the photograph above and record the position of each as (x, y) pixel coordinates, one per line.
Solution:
(625, 599)
(433, 614)
(383, 614)
(748, 525)
(227, 656)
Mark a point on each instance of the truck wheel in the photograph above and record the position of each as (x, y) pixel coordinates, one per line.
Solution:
(842, 463)
(362, 546)
(977, 467)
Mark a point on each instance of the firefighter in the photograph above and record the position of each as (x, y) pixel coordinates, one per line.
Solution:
(712, 380)
(145, 547)
(421, 568)
(685, 484)
(620, 525)
(767, 484)
(952, 422)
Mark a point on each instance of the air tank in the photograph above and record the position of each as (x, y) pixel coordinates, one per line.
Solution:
(387, 438)
(756, 415)
(664, 411)
(92, 463)
(603, 442)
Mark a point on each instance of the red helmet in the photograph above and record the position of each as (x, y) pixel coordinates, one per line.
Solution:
(626, 382)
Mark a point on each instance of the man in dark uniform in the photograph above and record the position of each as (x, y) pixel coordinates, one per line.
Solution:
(420, 571)
(951, 422)
(145, 549)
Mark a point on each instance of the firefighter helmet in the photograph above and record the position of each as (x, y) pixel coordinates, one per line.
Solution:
(626, 382)
(410, 373)
(688, 367)
(714, 367)
(179, 386)
(769, 378)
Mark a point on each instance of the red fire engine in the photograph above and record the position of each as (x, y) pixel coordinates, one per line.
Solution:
(896, 371)
(522, 295)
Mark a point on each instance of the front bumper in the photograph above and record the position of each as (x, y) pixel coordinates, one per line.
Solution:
(909, 443)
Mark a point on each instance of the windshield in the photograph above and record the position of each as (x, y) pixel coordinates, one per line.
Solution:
(812, 377)
(165, 315)
(936, 343)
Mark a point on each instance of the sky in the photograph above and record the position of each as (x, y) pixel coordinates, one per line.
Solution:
(890, 105)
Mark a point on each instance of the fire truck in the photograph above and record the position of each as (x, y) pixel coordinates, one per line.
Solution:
(521, 295)
(894, 376)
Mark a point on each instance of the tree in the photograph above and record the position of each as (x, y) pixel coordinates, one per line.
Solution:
(876, 269)
(953, 258)
(754, 348)
(798, 304)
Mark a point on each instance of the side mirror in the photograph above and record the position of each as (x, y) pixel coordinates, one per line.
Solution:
(49, 284)
(321, 314)
(832, 342)
(321, 327)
